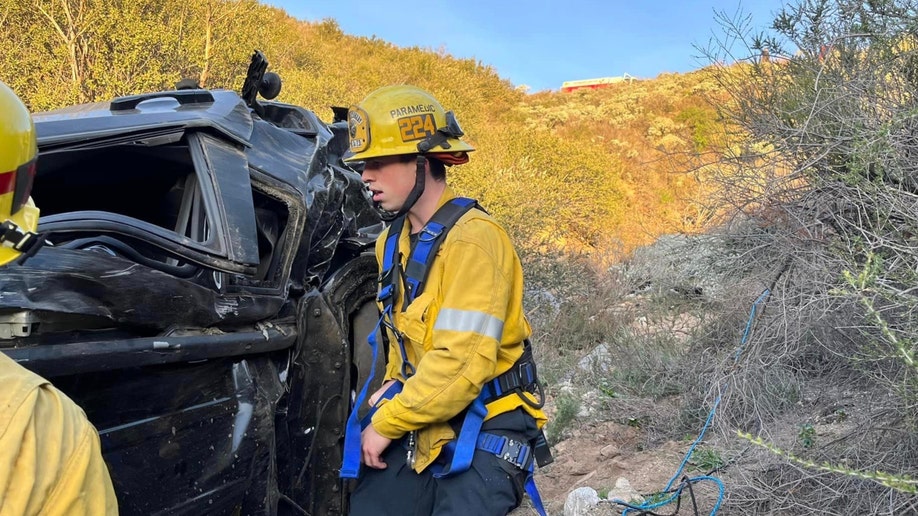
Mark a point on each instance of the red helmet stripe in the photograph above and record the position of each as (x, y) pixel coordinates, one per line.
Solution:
(7, 182)
(19, 183)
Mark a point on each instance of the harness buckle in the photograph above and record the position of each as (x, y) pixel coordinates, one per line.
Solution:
(539, 392)
(430, 232)
(526, 371)
(385, 293)
(516, 453)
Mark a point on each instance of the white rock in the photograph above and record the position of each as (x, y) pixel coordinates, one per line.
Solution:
(597, 361)
(580, 501)
(590, 403)
(624, 492)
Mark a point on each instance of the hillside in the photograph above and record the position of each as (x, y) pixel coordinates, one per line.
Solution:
(785, 335)
(598, 172)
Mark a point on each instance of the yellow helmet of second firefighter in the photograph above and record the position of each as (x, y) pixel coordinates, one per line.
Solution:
(18, 152)
(402, 119)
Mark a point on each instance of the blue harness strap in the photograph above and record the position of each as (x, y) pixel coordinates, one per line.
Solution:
(389, 393)
(429, 239)
(518, 453)
(457, 454)
(389, 271)
(350, 466)
(389, 281)
(534, 495)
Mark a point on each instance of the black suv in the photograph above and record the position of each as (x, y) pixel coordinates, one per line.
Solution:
(207, 283)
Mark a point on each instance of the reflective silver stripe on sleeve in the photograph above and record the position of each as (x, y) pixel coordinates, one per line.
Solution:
(467, 320)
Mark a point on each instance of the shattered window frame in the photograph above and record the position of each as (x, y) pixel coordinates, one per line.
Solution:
(196, 227)
(272, 277)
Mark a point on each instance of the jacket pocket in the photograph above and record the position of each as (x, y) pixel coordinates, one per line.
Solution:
(435, 437)
(415, 321)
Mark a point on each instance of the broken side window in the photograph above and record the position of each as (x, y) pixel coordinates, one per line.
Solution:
(276, 237)
(177, 199)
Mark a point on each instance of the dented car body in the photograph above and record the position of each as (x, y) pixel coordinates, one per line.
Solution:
(206, 278)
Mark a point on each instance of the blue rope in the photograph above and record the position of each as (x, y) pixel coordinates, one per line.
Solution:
(752, 314)
(704, 429)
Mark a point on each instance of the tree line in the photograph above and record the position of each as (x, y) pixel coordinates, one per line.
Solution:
(589, 172)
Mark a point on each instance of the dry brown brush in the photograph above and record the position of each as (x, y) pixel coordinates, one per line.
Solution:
(825, 212)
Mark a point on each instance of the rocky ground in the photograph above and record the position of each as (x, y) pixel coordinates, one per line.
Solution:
(633, 428)
(597, 456)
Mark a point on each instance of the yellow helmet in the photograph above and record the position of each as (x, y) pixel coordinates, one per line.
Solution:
(18, 152)
(395, 120)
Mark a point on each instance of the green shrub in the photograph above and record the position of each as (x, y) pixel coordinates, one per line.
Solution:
(566, 408)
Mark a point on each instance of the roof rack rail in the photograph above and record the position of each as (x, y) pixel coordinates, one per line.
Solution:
(183, 97)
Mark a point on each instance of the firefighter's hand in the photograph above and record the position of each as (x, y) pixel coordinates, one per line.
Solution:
(375, 397)
(372, 445)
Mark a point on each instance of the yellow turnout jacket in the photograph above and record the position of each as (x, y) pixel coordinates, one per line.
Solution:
(50, 456)
(466, 328)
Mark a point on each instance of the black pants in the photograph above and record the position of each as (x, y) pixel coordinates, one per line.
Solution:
(491, 486)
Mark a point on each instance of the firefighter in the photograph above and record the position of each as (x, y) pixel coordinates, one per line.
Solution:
(456, 334)
(50, 455)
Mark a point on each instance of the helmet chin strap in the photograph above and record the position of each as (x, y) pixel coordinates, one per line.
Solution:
(25, 242)
(413, 196)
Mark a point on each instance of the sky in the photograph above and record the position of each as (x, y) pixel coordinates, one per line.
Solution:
(542, 43)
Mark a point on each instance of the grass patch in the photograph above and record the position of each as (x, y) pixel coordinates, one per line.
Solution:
(706, 459)
(567, 407)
